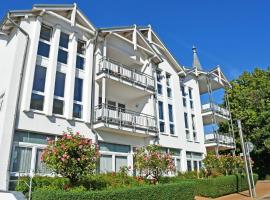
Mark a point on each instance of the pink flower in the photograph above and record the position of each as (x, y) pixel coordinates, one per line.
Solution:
(78, 159)
(81, 146)
(63, 159)
(77, 133)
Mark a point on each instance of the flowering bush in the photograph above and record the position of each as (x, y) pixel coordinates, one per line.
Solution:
(223, 164)
(71, 156)
(151, 161)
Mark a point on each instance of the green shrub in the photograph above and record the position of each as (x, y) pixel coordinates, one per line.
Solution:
(177, 191)
(223, 185)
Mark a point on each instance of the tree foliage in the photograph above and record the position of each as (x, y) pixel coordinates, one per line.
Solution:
(71, 156)
(151, 161)
(249, 100)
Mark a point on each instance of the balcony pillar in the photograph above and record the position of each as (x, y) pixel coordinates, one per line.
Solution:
(103, 95)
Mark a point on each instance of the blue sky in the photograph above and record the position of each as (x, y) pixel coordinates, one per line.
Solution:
(232, 34)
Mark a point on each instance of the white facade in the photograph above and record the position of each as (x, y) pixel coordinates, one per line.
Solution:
(119, 86)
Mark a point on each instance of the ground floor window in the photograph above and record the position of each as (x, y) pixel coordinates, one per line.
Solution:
(113, 157)
(194, 161)
(176, 155)
(26, 153)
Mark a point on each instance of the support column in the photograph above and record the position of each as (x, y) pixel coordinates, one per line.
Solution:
(87, 88)
(70, 77)
(51, 71)
(30, 65)
(103, 94)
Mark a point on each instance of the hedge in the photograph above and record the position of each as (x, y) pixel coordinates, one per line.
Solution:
(177, 191)
(223, 185)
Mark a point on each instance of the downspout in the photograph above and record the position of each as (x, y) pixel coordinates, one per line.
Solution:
(20, 79)
(93, 88)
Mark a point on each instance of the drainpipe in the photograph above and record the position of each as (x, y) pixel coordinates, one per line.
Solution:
(21, 76)
(93, 88)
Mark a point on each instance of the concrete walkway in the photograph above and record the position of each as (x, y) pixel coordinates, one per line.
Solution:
(262, 190)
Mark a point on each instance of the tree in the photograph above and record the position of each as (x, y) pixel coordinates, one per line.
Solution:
(71, 156)
(151, 161)
(249, 100)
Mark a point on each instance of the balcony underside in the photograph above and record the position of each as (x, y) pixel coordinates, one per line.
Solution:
(124, 128)
(221, 146)
(122, 88)
(215, 84)
(208, 118)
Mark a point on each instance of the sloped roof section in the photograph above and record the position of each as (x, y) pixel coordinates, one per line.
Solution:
(153, 39)
(67, 12)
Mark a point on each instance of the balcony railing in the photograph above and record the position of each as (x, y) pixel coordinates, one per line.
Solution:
(215, 108)
(221, 139)
(126, 118)
(119, 70)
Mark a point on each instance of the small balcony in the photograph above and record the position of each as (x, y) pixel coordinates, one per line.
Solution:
(110, 118)
(224, 141)
(119, 72)
(211, 109)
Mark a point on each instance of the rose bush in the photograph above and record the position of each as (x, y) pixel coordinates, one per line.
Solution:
(71, 156)
(151, 161)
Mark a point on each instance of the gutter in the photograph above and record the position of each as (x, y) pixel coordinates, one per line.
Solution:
(21, 74)
(93, 87)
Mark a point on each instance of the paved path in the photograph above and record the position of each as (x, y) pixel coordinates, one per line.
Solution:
(262, 190)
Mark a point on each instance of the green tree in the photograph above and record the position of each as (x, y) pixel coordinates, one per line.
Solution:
(249, 100)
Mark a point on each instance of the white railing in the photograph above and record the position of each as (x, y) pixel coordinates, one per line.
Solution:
(215, 108)
(122, 117)
(221, 139)
(114, 68)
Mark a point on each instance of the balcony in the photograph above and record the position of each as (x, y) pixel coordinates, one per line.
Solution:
(109, 118)
(223, 141)
(125, 74)
(210, 109)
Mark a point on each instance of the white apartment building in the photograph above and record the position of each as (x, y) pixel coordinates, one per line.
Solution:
(119, 86)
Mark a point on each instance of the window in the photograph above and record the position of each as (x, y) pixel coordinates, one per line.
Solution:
(43, 49)
(78, 89)
(105, 163)
(195, 165)
(169, 92)
(159, 76)
(64, 40)
(63, 48)
(77, 105)
(77, 110)
(168, 80)
(159, 88)
(170, 112)
(184, 95)
(80, 59)
(187, 135)
(45, 32)
(58, 106)
(186, 120)
(40, 167)
(62, 56)
(59, 90)
(190, 98)
(161, 127)
(39, 79)
(121, 107)
(37, 97)
(184, 102)
(22, 159)
(104, 146)
(172, 129)
(191, 104)
(44, 41)
(59, 84)
(193, 122)
(178, 165)
(189, 167)
(120, 161)
(160, 109)
(112, 105)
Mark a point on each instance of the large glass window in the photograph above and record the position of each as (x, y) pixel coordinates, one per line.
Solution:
(22, 159)
(78, 89)
(58, 106)
(45, 32)
(172, 129)
(80, 60)
(64, 40)
(186, 120)
(105, 163)
(120, 161)
(39, 78)
(159, 88)
(40, 167)
(161, 126)
(43, 49)
(62, 56)
(77, 110)
(59, 84)
(170, 108)
(104, 146)
(160, 109)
